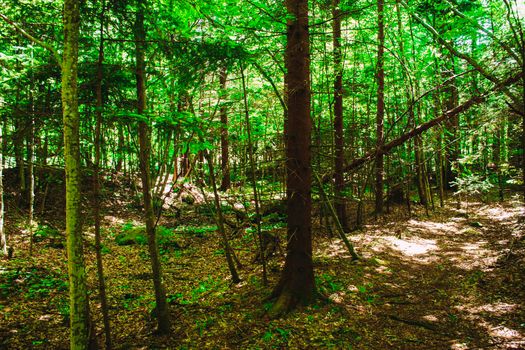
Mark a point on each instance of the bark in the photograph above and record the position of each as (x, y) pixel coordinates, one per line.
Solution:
(225, 160)
(297, 283)
(79, 306)
(380, 108)
(162, 311)
(340, 205)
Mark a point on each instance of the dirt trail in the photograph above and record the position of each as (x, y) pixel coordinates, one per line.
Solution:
(448, 281)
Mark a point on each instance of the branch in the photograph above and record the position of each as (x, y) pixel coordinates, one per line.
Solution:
(489, 34)
(33, 39)
(386, 148)
(450, 47)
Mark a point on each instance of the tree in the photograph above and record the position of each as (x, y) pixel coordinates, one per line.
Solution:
(225, 160)
(96, 184)
(340, 206)
(297, 283)
(380, 107)
(79, 304)
(3, 238)
(161, 307)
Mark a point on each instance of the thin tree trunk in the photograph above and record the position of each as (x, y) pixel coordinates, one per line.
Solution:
(228, 252)
(31, 175)
(253, 178)
(162, 311)
(297, 283)
(340, 205)
(3, 238)
(79, 305)
(380, 108)
(96, 186)
(225, 159)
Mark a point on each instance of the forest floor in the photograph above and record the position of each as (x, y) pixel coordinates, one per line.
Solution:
(444, 281)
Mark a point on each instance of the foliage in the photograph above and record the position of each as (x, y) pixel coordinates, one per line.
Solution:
(471, 184)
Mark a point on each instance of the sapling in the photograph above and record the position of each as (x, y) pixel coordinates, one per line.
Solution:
(469, 185)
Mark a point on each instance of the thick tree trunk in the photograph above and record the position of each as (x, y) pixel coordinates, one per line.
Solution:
(380, 108)
(340, 205)
(297, 283)
(79, 305)
(162, 311)
(225, 159)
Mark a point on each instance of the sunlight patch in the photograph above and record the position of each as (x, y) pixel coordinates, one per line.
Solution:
(497, 309)
(413, 247)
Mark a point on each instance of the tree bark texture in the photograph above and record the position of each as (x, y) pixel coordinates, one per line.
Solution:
(79, 305)
(297, 284)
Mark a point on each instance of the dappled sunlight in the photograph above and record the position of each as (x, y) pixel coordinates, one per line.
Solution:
(497, 309)
(500, 213)
(432, 226)
(413, 246)
(471, 255)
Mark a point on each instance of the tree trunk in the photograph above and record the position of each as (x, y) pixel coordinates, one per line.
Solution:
(380, 108)
(162, 311)
(451, 126)
(297, 283)
(3, 238)
(228, 252)
(96, 185)
(225, 160)
(340, 205)
(79, 305)
(31, 174)
(254, 179)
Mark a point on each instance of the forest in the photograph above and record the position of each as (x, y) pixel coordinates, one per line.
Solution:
(262, 174)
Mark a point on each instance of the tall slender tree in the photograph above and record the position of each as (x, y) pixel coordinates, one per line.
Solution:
(380, 107)
(3, 238)
(161, 308)
(79, 304)
(297, 283)
(96, 183)
(340, 206)
(225, 159)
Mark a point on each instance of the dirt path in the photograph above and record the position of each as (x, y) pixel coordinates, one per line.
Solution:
(446, 282)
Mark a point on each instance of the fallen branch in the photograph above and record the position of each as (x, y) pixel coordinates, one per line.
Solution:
(476, 99)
